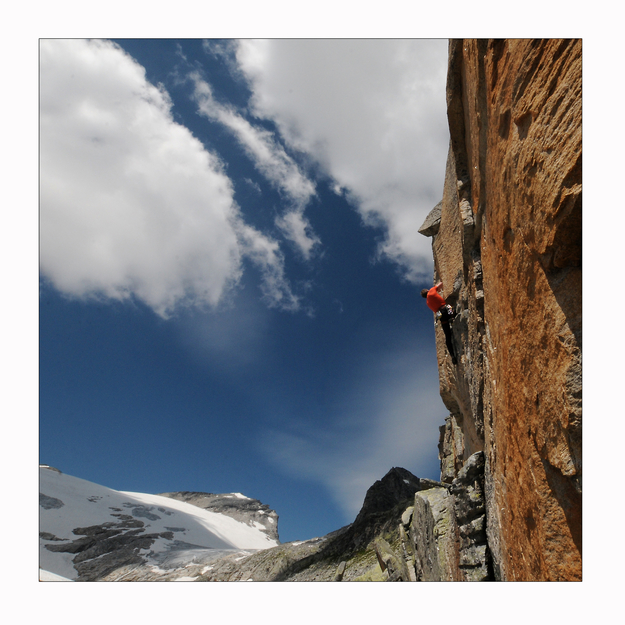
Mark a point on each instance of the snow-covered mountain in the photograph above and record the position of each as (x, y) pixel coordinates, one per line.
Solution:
(90, 532)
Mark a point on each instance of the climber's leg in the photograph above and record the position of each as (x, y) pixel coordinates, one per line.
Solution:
(449, 341)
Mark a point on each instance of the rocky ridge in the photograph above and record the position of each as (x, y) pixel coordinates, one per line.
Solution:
(408, 529)
(375, 547)
(405, 531)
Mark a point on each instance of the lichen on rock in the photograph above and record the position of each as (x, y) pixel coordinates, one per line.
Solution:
(507, 246)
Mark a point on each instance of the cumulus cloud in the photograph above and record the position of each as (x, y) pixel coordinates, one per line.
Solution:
(372, 114)
(132, 205)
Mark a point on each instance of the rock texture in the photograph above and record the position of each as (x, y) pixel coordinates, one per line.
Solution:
(474, 559)
(433, 533)
(375, 547)
(102, 549)
(448, 528)
(235, 505)
(506, 241)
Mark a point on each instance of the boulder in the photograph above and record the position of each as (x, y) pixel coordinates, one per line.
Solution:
(433, 533)
(432, 222)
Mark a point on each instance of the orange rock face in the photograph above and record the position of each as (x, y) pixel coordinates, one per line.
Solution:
(508, 250)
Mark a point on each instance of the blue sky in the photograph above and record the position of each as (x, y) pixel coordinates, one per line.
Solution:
(230, 267)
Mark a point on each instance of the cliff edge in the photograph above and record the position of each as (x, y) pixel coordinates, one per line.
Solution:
(507, 245)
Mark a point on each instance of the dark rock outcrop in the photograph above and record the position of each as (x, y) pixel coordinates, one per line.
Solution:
(103, 549)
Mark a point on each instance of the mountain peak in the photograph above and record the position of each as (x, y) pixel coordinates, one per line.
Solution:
(397, 486)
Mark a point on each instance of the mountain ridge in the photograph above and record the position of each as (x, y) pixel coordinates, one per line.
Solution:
(124, 547)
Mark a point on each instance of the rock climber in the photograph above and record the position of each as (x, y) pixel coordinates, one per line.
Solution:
(444, 312)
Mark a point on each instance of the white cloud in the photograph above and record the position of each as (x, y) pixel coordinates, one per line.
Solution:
(265, 254)
(271, 160)
(296, 228)
(132, 205)
(372, 113)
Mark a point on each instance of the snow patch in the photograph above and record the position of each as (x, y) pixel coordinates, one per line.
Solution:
(46, 576)
(157, 570)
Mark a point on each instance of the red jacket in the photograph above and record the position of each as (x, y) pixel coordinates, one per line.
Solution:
(434, 300)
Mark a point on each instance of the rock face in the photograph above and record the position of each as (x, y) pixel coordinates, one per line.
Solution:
(506, 241)
(448, 528)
